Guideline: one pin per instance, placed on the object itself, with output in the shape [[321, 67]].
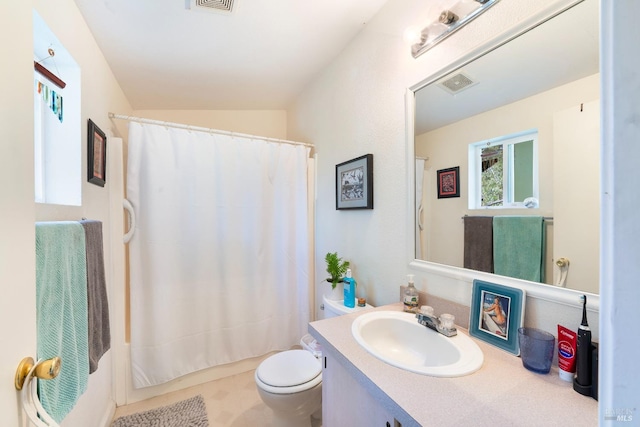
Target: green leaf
[[336, 268]]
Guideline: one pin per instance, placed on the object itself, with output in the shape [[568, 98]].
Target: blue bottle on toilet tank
[[349, 290]]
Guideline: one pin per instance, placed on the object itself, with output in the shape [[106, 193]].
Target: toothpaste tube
[[567, 340]]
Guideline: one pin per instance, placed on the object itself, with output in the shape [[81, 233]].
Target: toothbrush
[[583, 359]]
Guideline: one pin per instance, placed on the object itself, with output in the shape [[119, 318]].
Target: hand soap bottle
[[410, 297], [349, 290]]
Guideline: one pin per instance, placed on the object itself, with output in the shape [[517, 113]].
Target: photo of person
[[494, 316]]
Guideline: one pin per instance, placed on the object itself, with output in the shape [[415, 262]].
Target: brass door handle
[[46, 370]]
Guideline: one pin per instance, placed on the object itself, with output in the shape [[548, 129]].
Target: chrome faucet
[[443, 324]]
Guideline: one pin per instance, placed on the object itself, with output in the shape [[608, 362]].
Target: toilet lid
[[289, 368]]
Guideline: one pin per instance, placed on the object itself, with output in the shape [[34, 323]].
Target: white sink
[[399, 340]]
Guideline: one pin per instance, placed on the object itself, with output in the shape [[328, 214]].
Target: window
[[57, 125], [503, 172]]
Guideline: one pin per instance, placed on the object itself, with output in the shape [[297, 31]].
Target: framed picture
[[496, 314], [354, 183], [96, 155], [449, 183]]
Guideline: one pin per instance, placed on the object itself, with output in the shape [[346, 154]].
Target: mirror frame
[[570, 297]]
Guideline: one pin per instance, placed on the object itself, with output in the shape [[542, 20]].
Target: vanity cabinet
[[359, 390], [345, 402]]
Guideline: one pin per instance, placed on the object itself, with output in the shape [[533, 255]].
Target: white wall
[[268, 123], [357, 106]]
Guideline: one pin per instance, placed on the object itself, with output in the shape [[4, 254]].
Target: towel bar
[[546, 218]]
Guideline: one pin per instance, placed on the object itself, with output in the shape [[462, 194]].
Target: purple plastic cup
[[536, 349]]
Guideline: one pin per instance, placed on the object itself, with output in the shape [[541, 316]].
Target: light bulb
[[412, 35]]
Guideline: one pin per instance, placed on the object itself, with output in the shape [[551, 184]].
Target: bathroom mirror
[[545, 81]]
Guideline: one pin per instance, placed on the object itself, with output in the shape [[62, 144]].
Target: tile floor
[[231, 402]]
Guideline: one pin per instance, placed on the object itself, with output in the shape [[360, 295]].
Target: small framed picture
[[354, 183], [497, 312], [449, 182], [96, 155]]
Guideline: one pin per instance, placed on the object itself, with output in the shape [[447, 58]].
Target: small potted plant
[[336, 269]]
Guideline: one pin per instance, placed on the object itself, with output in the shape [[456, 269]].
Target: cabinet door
[[346, 403]]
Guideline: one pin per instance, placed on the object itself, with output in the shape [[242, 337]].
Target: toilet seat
[[288, 372]]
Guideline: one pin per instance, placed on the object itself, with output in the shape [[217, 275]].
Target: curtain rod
[[201, 129]]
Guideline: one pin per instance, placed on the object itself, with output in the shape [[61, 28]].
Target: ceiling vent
[[457, 83], [218, 6]]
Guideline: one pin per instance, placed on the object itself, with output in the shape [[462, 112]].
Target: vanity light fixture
[[449, 21]]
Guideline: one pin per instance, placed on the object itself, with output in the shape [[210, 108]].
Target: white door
[[17, 208], [17, 290]]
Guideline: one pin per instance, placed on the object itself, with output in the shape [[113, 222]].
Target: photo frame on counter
[[354, 183], [497, 312], [96, 155], [449, 182]]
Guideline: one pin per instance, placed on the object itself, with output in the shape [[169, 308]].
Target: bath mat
[[187, 413]]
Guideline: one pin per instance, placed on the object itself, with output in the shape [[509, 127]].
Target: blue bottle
[[349, 290]]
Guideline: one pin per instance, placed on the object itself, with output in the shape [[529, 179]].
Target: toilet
[[290, 382]]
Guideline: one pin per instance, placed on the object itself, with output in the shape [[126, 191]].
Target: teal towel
[[61, 313], [518, 247]]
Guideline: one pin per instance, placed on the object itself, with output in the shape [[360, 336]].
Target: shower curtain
[[219, 268]]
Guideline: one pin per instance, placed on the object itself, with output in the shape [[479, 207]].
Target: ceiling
[[259, 56], [557, 52]]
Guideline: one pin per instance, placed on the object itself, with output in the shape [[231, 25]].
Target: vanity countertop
[[502, 392]]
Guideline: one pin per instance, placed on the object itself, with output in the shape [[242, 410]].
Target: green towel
[[61, 313], [518, 247]]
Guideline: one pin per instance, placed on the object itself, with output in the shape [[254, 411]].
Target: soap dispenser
[[349, 290], [410, 296]]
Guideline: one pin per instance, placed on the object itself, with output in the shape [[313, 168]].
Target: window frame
[[508, 142]]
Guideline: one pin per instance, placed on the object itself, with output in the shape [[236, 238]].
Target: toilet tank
[[333, 308]]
